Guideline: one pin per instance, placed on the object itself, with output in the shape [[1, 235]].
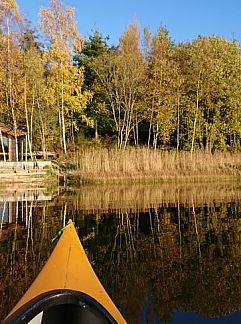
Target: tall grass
[[144, 163]]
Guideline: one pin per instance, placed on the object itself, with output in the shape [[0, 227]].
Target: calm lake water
[[165, 253]]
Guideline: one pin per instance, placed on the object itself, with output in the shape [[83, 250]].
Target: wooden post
[[10, 212], [3, 148], [14, 149], [26, 148], [10, 148], [22, 149]]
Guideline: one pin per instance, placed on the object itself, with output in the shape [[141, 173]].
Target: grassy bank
[[145, 165]]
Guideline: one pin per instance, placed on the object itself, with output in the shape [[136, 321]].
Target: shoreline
[[71, 179]]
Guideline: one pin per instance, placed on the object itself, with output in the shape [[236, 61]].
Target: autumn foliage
[[147, 90]]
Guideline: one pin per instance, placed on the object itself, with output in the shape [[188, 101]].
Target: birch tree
[[161, 86], [121, 76], [10, 18], [58, 24]]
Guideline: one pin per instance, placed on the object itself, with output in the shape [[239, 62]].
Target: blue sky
[[184, 19]]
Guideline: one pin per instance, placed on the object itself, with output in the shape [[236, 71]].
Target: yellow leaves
[[78, 43], [129, 42], [8, 6], [89, 121], [65, 88], [9, 12], [58, 24]]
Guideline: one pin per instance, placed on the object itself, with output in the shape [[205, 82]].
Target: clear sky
[[184, 19]]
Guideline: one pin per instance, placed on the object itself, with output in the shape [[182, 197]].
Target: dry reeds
[[143, 164]]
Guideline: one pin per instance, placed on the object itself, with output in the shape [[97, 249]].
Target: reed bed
[[144, 163]]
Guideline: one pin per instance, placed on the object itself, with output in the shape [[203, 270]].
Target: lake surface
[[165, 253]]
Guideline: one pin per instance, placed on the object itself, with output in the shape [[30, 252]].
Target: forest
[[66, 91]]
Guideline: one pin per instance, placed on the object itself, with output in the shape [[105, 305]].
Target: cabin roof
[[8, 130]]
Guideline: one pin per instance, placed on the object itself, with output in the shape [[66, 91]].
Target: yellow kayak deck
[[69, 268]]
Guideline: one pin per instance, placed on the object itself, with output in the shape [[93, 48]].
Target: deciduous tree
[[65, 79]]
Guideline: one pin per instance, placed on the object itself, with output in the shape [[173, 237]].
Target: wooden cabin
[[13, 144]]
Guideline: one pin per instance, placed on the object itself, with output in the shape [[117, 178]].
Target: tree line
[[146, 90]]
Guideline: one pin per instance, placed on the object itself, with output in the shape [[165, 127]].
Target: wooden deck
[[30, 171]]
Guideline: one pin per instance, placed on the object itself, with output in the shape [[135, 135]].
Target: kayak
[[67, 289]]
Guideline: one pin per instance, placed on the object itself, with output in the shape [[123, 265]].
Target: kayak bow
[[67, 289]]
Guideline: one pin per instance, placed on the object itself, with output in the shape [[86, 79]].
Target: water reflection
[[16, 208], [166, 254], [167, 251], [171, 258], [27, 224]]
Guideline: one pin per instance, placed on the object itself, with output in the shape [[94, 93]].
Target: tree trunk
[[96, 130], [196, 114], [26, 116], [155, 137], [178, 122], [10, 96], [149, 132], [43, 140], [62, 117]]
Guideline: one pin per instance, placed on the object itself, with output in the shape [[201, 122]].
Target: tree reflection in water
[[25, 243], [155, 256], [185, 258]]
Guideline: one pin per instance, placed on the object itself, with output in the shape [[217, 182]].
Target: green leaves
[[210, 66]]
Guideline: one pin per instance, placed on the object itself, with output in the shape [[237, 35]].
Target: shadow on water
[[165, 254]]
